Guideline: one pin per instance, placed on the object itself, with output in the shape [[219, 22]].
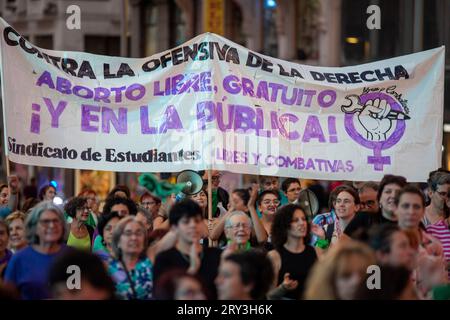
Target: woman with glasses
[[45, 229], [131, 269], [268, 202], [80, 234], [151, 203]]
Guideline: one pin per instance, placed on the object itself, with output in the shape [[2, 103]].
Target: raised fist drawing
[[373, 116]]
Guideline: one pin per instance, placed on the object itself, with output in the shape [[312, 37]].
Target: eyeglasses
[[46, 222], [215, 178], [295, 189], [239, 225], [129, 233], [369, 203], [84, 209], [148, 203], [443, 194], [268, 202]]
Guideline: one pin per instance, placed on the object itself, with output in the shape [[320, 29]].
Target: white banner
[[213, 104]]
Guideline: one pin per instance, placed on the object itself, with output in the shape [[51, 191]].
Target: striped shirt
[[441, 231]]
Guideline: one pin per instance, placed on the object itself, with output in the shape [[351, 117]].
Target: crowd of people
[[261, 243]]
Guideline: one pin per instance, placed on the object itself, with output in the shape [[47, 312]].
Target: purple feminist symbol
[[378, 160]]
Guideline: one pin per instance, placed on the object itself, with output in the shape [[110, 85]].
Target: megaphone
[[309, 202], [192, 180]]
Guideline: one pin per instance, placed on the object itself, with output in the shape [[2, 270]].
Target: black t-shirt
[[298, 265], [174, 259], [362, 222]]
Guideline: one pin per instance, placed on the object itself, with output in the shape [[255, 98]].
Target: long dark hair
[[282, 223]]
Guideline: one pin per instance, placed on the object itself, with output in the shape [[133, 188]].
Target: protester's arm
[[217, 231], [160, 223], [13, 185], [261, 234]]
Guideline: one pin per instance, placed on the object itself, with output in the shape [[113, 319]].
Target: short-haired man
[[186, 219], [368, 195], [291, 188]]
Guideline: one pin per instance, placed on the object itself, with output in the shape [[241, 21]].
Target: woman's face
[[150, 204], [410, 211], [3, 238], [269, 204], [387, 198], [108, 230], [132, 239], [4, 196], [350, 272], [237, 202], [92, 201], [299, 225], [50, 193], [17, 238], [82, 214], [201, 199], [49, 228], [189, 289]]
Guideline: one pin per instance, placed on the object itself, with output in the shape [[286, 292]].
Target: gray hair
[[237, 213], [146, 214], [118, 231], [33, 217]]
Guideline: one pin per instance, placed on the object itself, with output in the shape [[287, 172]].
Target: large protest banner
[[213, 104]]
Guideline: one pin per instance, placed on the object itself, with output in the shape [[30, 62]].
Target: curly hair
[[73, 205], [282, 223], [132, 208]]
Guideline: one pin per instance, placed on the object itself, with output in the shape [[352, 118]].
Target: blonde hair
[[118, 231], [320, 284], [15, 215]]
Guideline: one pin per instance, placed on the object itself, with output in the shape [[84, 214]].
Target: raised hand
[[253, 194], [318, 231], [373, 117], [13, 184]]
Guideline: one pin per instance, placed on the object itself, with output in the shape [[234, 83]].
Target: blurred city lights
[[352, 40]]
